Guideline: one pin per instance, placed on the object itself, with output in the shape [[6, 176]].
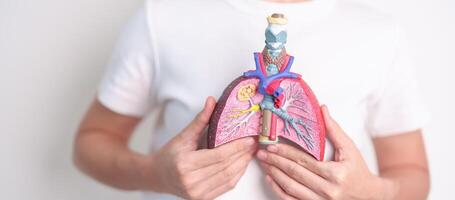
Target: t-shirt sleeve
[[398, 106], [126, 87]]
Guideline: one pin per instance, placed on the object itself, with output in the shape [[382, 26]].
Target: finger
[[264, 166], [298, 173], [206, 157], [300, 157], [193, 131], [277, 189], [335, 133], [202, 173], [290, 186], [222, 177], [226, 187]]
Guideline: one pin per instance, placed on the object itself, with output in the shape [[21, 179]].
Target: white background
[[52, 54]]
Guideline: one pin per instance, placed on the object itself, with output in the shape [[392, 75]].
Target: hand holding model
[[179, 168], [294, 174]]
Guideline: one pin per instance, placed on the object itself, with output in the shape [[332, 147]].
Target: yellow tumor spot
[[255, 107], [246, 92], [243, 112]]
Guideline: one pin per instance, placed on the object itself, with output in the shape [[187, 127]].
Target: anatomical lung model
[[270, 101]]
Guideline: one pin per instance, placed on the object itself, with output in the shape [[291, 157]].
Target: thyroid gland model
[[270, 101]]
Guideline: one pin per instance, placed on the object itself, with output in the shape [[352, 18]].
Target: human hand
[[179, 168], [293, 174]]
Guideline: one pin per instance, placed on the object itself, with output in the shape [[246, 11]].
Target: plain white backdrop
[[53, 53]]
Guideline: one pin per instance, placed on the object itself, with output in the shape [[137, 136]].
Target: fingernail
[[272, 148], [249, 141], [261, 155]]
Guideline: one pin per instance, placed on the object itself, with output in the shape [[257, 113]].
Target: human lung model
[[270, 101]]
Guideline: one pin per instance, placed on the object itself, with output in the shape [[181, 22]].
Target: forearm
[[402, 161], [406, 183], [108, 159]]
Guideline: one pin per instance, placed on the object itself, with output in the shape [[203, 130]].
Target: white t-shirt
[[175, 53]]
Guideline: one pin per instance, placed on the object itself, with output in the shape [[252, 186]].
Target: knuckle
[[179, 171], [340, 175], [334, 194], [333, 172], [193, 194], [228, 173], [203, 197], [328, 169], [303, 162], [289, 188], [232, 184], [292, 171], [186, 181]]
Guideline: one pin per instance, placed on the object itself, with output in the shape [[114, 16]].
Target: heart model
[[270, 101]]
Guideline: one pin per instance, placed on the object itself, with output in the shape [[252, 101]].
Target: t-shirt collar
[[306, 11]]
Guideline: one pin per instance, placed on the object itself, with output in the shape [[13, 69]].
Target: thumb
[[335, 133], [192, 133]]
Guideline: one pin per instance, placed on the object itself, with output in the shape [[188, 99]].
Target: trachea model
[[270, 101]]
